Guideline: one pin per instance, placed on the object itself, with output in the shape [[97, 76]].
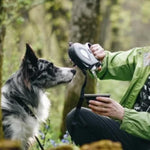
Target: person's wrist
[[121, 114]]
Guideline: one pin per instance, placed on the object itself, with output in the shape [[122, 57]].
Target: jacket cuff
[[126, 121]]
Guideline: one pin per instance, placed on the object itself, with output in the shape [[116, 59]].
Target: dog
[[24, 102]]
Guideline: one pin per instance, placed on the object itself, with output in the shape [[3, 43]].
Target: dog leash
[[38, 141], [80, 102]]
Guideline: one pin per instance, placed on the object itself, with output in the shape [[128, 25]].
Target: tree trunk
[[115, 44], [84, 28], [2, 35], [105, 22]]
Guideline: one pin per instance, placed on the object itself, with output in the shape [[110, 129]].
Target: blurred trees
[[45, 24], [115, 10], [84, 28], [58, 16], [110, 19]]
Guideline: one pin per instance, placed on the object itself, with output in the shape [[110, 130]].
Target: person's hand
[[98, 51], [107, 107]]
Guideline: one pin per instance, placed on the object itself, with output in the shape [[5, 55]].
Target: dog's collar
[[22, 104], [26, 107]]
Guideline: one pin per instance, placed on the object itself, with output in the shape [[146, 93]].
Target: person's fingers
[[99, 55], [98, 109], [104, 99], [99, 104], [96, 47]]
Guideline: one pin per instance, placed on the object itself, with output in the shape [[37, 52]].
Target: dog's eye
[[42, 66]]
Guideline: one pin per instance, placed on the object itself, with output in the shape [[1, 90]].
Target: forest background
[[49, 25]]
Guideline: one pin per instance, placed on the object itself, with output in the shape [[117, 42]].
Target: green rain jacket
[[133, 66]]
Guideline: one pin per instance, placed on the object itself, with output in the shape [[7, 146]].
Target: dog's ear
[[29, 65], [30, 56]]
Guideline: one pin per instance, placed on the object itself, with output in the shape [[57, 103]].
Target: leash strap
[[80, 102], [38, 141]]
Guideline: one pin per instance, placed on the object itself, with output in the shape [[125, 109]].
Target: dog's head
[[42, 73]]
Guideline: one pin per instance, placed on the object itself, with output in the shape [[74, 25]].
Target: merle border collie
[[24, 102]]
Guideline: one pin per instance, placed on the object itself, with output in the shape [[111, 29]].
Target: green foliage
[[14, 9], [20, 20], [47, 140]]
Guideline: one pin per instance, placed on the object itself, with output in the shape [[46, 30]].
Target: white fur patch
[[42, 112], [4, 100]]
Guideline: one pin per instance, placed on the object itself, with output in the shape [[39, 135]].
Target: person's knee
[[70, 119], [78, 126], [70, 115]]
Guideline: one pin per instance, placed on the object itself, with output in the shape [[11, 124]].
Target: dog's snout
[[73, 71]]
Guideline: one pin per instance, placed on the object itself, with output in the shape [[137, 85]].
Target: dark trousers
[[89, 127]]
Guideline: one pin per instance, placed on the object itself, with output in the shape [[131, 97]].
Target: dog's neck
[[18, 89], [34, 100]]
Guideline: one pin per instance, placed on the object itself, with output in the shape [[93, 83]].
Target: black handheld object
[[89, 97], [82, 56]]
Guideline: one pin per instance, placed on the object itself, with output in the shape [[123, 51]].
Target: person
[[128, 121]]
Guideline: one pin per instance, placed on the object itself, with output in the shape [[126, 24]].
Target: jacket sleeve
[[119, 65], [123, 66], [136, 123]]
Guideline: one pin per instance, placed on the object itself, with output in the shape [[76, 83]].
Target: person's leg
[[91, 127]]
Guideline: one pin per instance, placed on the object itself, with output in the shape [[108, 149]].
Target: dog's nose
[[73, 71]]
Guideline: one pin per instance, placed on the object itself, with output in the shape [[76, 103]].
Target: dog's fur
[[24, 103]]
